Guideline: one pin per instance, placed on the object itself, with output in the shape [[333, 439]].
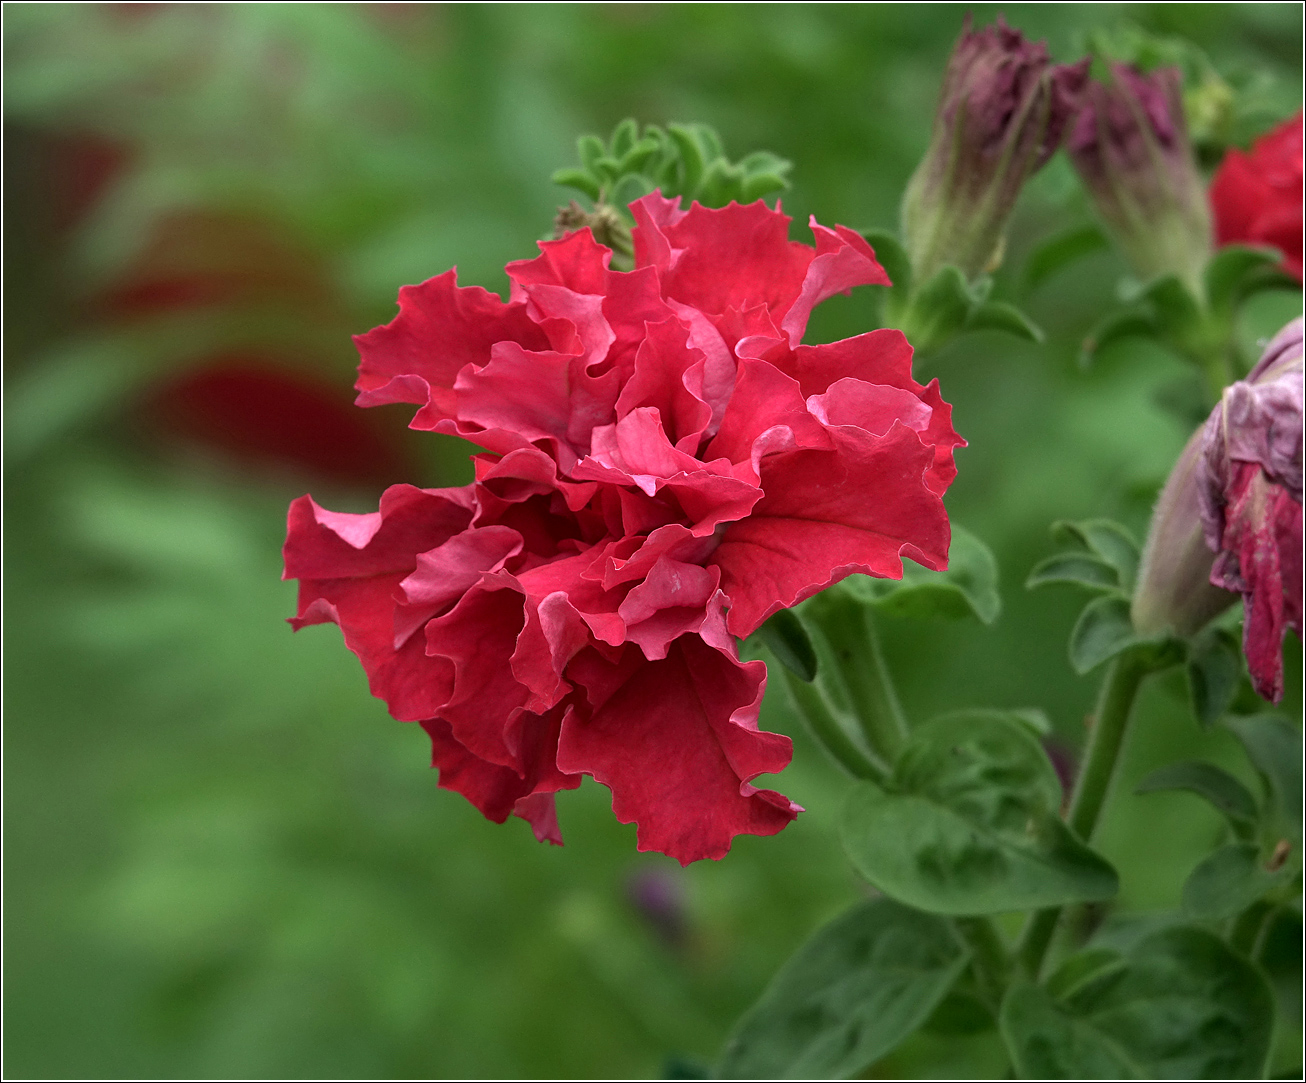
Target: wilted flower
[[1251, 502], [1130, 147], [1257, 197], [1002, 110], [666, 467]]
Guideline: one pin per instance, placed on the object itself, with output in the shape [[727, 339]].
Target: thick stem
[[826, 730], [848, 629], [1115, 702], [989, 956]]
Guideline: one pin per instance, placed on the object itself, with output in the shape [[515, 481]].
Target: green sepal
[[1183, 1005], [1126, 323], [1229, 796], [1081, 569], [969, 823], [1002, 316], [691, 157], [968, 587], [623, 137], [788, 640], [1274, 746], [1107, 539], [1061, 251], [848, 996], [590, 149], [939, 308], [1215, 671], [1176, 312], [1230, 880]]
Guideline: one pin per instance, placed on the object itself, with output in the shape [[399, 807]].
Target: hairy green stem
[[1116, 700], [825, 728], [989, 956]]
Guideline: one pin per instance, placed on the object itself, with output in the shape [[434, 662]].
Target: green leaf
[[1127, 323], [1082, 569], [1274, 746], [784, 633], [848, 996], [591, 150], [1183, 1006], [757, 185], [1215, 671], [1213, 784], [579, 179], [1108, 539], [631, 187], [691, 158], [1061, 251], [968, 587], [1001, 316], [1102, 631], [1081, 967], [1234, 268], [1230, 880], [1174, 308], [968, 823], [892, 256], [638, 155], [623, 137]]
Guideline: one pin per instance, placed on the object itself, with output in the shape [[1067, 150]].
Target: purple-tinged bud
[[1130, 146], [1251, 502], [1002, 110], [658, 895], [1174, 592]]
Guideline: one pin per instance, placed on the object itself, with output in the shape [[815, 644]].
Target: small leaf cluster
[[686, 160], [1260, 866]]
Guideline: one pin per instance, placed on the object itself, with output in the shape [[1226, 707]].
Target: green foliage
[[1216, 786], [1230, 880], [1274, 746], [788, 640], [1180, 1005], [1215, 672], [967, 587], [686, 160], [969, 823], [855, 990]]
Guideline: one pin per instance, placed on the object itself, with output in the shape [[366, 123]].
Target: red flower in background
[[666, 466], [1257, 197]]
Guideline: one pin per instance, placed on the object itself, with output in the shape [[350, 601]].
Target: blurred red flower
[[666, 466], [1257, 197]]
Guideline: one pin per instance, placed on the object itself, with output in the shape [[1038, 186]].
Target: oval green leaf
[[848, 996], [1183, 1006], [968, 824]]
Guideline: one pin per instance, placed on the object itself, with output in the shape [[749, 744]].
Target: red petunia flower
[[666, 466], [1257, 197]]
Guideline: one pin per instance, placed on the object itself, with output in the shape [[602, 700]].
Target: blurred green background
[[223, 857]]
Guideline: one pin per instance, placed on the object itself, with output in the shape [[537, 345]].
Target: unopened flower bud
[[1174, 591], [1251, 502], [1002, 110], [1130, 147]]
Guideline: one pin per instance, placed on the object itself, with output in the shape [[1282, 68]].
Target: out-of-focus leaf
[[1082, 569], [968, 587], [1213, 784], [1230, 880], [1274, 746], [1215, 670], [969, 823], [1182, 1006], [784, 633], [892, 256], [1106, 538], [855, 990], [1102, 631], [1002, 316], [1062, 250], [1110, 329]]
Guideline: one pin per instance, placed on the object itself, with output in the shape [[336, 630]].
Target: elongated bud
[[1130, 147], [1002, 110], [1251, 502], [1174, 591]]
